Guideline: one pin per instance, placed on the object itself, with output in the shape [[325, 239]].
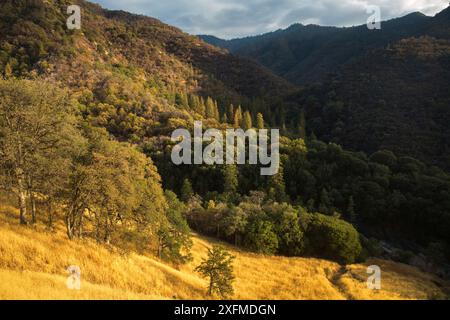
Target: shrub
[[332, 238]]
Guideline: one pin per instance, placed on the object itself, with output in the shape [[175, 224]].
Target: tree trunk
[[22, 197], [33, 207], [211, 285], [21, 185], [50, 214], [107, 238], [80, 225], [159, 249], [69, 225], [23, 207]]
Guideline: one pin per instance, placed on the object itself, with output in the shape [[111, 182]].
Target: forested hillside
[[402, 104], [375, 89], [36, 40], [85, 124]]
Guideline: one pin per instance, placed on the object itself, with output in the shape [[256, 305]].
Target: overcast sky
[[239, 18]]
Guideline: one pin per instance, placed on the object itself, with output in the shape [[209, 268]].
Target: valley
[[88, 178]]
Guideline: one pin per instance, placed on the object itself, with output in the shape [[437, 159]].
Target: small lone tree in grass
[[219, 269]]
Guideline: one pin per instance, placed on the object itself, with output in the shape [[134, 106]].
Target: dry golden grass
[[399, 281], [33, 265], [38, 256], [261, 277]]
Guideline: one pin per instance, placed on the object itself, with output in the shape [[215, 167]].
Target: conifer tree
[[238, 117], [187, 191], [194, 102], [174, 238], [230, 179], [277, 187], [210, 109], [201, 107], [247, 121], [216, 111], [182, 100], [260, 121], [225, 118]]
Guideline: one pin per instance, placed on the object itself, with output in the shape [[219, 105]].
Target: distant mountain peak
[[444, 13], [416, 14], [295, 26]]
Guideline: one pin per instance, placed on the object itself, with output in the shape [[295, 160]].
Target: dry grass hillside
[[33, 263]]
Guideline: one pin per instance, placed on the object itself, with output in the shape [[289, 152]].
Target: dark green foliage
[[302, 125], [351, 214], [174, 234], [408, 201], [325, 205], [230, 179], [384, 157], [287, 226], [218, 268], [260, 237], [186, 191], [276, 186], [404, 201], [234, 224], [273, 228], [405, 114], [332, 238], [377, 90]]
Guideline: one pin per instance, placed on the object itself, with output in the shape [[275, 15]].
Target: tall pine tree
[[260, 121], [247, 121], [238, 117], [210, 109], [187, 191]]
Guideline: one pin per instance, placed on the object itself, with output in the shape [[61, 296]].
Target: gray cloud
[[238, 18]]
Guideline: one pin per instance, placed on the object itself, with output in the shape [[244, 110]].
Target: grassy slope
[[33, 263]]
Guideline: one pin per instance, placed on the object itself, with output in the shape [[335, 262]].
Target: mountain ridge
[[297, 25], [301, 46]]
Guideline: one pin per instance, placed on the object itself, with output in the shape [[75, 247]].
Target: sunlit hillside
[[33, 266]]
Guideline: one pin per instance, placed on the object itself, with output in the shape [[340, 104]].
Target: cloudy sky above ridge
[[239, 18]]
